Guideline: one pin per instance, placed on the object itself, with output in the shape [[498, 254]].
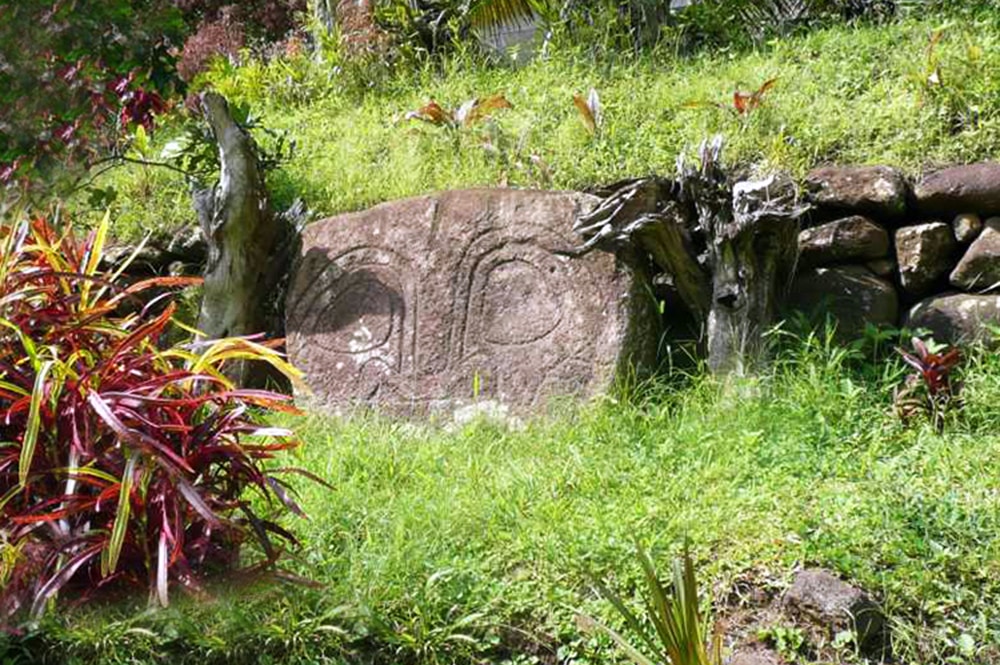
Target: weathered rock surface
[[822, 597], [924, 253], [974, 187], [851, 294], [759, 656], [966, 227], [882, 267], [182, 252], [851, 238], [432, 303], [979, 268], [875, 190], [956, 317]]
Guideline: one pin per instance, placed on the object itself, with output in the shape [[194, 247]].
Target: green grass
[[844, 94], [472, 546]]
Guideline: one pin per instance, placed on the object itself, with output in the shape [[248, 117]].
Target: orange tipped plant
[[590, 111], [471, 112], [121, 461], [743, 102]]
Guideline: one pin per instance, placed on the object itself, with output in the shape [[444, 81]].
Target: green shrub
[[121, 462]]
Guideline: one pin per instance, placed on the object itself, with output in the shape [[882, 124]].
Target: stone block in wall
[[924, 253], [967, 227], [979, 268], [854, 238], [960, 189], [429, 304], [956, 317], [880, 191], [852, 295], [883, 267]]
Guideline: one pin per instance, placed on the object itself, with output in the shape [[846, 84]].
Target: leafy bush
[[223, 36], [73, 73], [120, 462]]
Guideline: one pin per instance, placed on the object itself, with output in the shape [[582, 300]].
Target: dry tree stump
[[729, 247], [247, 243]]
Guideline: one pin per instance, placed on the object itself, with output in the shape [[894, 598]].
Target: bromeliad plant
[[929, 389], [121, 462], [674, 630]]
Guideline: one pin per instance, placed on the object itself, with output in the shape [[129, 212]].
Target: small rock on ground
[[824, 598]]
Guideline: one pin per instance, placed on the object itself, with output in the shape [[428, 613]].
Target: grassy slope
[[851, 95], [487, 533], [430, 536]]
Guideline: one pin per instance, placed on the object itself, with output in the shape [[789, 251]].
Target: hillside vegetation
[[476, 544], [473, 546], [913, 94]]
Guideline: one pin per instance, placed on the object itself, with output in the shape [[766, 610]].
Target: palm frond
[[491, 16]]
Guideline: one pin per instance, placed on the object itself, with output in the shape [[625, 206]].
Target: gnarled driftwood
[[729, 248], [247, 242]]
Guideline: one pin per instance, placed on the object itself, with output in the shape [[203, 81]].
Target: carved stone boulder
[[426, 305]]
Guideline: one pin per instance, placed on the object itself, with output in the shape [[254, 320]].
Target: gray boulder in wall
[[979, 268], [969, 188], [873, 190], [956, 317], [429, 304], [852, 295], [924, 253], [852, 238]]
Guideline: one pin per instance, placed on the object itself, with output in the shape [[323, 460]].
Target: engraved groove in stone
[[355, 317]]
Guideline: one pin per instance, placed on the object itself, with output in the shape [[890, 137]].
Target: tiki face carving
[[422, 303]]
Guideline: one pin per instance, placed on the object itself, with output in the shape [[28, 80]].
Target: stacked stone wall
[[925, 255]]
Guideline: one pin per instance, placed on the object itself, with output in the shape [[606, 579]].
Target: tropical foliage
[[679, 634], [122, 461], [929, 389]]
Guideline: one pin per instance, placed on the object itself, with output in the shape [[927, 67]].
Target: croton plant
[[123, 460]]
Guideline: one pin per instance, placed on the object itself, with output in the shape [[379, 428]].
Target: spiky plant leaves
[[123, 461], [469, 113], [679, 629], [432, 113], [930, 389]]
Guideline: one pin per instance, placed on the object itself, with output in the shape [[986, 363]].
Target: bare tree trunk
[[325, 15], [751, 230], [245, 238], [750, 234]]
